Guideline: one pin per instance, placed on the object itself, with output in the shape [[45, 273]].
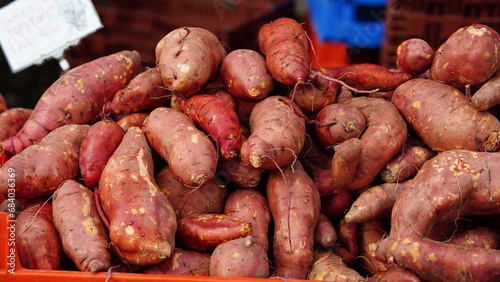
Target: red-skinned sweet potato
[[395, 274], [437, 261], [348, 247], [277, 134], [218, 119], [286, 49], [142, 223], [312, 96], [337, 123], [145, 91], [209, 198], [336, 205], [204, 232], [131, 120], [488, 95], [294, 202], [39, 170], [190, 154], [325, 234], [370, 232], [77, 97], [236, 172], [183, 262], [406, 164], [469, 56], [328, 266], [383, 138], [99, 144], [222, 93], [443, 119], [83, 236], [12, 120], [480, 237], [414, 56], [188, 58], [250, 83], [241, 257], [252, 206], [37, 241]]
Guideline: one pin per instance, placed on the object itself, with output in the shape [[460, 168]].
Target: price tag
[[32, 31]]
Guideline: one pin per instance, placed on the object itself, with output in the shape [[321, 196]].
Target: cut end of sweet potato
[[164, 250], [255, 160], [492, 142]]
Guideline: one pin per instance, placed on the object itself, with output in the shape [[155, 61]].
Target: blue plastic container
[[358, 23]]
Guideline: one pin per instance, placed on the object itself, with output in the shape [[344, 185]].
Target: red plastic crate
[[140, 25], [433, 21]]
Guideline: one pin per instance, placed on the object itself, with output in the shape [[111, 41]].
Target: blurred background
[[341, 31]]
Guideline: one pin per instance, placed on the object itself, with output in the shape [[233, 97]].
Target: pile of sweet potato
[[247, 163]]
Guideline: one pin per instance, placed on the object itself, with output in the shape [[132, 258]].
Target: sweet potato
[[383, 138], [145, 91], [183, 262], [3, 103], [142, 223], [336, 205], [328, 266], [325, 234], [443, 119], [438, 261], [366, 76], [253, 82], [294, 202], [39, 170], [204, 232], [480, 237], [190, 154], [488, 95], [277, 134], [12, 120], [286, 49], [348, 248], [406, 164], [99, 144], [222, 93], [252, 206], [135, 119], [315, 157], [414, 56], [242, 257], [376, 202], [188, 58], [209, 198], [13, 206], [337, 123], [395, 274], [312, 97], [216, 117], [77, 97], [469, 56], [370, 232], [236, 172], [83, 236], [37, 241]]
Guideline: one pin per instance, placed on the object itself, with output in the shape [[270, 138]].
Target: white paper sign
[[32, 31]]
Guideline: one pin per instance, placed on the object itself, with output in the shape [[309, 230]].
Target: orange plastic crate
[[22, 274]]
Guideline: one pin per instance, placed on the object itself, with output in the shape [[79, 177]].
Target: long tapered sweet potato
[[41, 168], [383, 138], [277, 134], [443, 119], [83, 236], [99, 144], [218, 119], [285, 46], [142, 223], [294, 202], [145, 91], [188, 58], [77, 97], [190, 154], [37, 241]]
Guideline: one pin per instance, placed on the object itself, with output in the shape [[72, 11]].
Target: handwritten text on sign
[[32, 30]]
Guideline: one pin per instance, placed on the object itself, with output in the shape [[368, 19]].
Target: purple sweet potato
[[77, 97], [145, 91], [241, 257], [37, 241], [97, 147], [190, 154], [253, 82], [188, 58], [83, 236], [142, 223], [41, 168]]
